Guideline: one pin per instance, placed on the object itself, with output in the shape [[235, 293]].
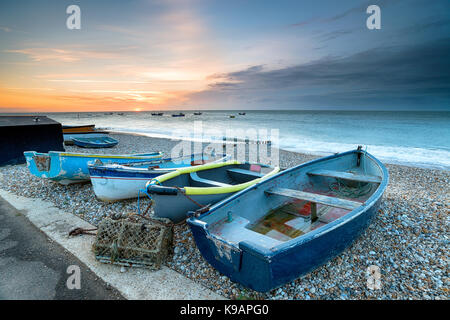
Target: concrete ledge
[[136, 283]]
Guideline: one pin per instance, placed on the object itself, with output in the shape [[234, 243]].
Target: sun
[[137, 109]]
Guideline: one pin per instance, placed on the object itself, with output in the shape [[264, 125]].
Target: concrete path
[[136, 283], [34, 267]]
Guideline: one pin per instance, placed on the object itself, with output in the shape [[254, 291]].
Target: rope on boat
[[202, 209], [361, 189], [184, 194], [344, 190], [147, 217], [79, 231]]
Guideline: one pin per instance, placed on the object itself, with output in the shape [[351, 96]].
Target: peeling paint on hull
[[67, 168]]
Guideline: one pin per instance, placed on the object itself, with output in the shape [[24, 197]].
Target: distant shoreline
[[222, 110], [295, 154]]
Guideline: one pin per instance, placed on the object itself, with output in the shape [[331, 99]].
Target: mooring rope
[[78, 231]]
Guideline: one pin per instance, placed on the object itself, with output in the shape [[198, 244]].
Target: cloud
[[333, 35], [426, 25], [399, 75], [357, 9], [74, 54]]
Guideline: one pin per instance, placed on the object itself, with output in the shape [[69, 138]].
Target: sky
[[234, 54]]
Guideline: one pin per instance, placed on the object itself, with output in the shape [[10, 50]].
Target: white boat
[[113, 182]]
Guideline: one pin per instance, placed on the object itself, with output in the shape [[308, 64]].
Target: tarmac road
[[33, 267]]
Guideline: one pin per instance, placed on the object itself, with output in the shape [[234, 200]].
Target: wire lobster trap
[[133, 244]]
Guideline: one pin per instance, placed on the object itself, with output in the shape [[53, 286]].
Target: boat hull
[[264, 267], [95, 142], [68, 137], [176, 193], [176, 207], [114, 183], [78, 129], [262, 273], [67, 168]]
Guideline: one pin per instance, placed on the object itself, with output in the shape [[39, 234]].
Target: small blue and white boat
[[67, 167], [287, 225], [95, 142], [68, 137], [113, 182]]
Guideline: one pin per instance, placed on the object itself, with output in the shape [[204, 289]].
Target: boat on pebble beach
[[68, 167], [175, 193], [68, 137], [95, 142], [287, 225], [78, 129], [113, 182]]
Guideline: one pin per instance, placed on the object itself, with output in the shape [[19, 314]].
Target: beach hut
[[22, 133]]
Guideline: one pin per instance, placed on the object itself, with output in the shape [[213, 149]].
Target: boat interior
[[146, 165], [98, 140], [220, 177], [297, 203]]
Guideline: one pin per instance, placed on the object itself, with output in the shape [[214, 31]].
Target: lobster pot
[[133, 244]]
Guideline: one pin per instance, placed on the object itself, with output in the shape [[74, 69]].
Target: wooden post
[[313, 211]]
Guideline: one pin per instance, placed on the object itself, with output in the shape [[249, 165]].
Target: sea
[[420, 139]]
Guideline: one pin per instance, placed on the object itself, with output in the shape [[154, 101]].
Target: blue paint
[[96, 142], [68, 168]]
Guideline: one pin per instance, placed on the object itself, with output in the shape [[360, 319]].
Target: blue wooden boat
[[68, 137], [68, 167], [113, 182], [178, 115], [95, 142], [285, 226]]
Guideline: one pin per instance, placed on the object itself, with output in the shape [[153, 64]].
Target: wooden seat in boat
[[346, 175], [244, 175], [236, 231], [315, 198], [201, 182]]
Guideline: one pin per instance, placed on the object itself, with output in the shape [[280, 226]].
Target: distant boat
[[197, 113], [68, 167], [242, 113], [79, 129], [113, 182], [108, 113], [176, 193], [68, 137], [232, 116], [291, 223], [178, 115], [95, 142], [120, 114], [157, 113]]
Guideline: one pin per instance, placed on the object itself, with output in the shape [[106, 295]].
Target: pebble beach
[[408, 240]]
